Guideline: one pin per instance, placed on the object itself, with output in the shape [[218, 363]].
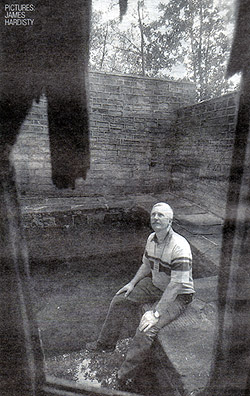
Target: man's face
[[160, 219]]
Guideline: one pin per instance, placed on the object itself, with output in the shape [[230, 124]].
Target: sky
[[103, 5], [151, 5]]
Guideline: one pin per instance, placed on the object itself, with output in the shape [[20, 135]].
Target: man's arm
[[170, 294], [179, 275], [181, 265], [149, 319], [142, 272]]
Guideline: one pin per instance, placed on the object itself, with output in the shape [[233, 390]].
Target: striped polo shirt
[[170, 260]]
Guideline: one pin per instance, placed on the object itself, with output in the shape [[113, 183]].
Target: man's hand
[[147, 321], [127, 288]]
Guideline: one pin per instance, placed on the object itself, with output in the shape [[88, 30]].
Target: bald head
[[161, 218], [165, 208]]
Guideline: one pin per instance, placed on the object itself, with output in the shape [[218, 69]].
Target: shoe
[[96, 346]]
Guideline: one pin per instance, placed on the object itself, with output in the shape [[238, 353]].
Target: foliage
[[123, 50], [89, 367], [190, 33], [203, 42]]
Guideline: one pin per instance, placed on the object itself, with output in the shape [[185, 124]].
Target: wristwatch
[[156, 314]]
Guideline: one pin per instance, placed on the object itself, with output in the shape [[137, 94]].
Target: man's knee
[[145, 282], [149, 335], [142, 291], [152, 332], [118, 299]]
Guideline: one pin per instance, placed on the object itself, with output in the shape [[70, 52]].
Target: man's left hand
[[147, 321]]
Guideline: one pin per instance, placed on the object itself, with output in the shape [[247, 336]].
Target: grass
[[72, 301], [71, 306]]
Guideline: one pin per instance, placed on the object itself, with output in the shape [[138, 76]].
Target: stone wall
[[130, 123], [146, 135], [202, 141]]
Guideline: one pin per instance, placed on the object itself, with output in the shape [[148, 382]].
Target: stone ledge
[[202, 230], [185, 347], [200, 223]]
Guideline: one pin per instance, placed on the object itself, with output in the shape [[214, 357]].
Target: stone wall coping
[[141, 77], [215, 99]]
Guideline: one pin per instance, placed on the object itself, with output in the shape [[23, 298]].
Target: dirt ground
[[72, 295], [71, 304], [101, 369], [72, 301]]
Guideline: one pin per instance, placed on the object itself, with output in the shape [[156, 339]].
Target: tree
[[100, 39], [192, 33], [202, 42], [130, 44], [135, 49]]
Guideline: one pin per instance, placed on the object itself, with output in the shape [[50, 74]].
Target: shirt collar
[[167, 237]]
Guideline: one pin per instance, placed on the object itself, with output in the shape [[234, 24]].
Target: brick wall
[[144, 137], [202, 140], [130, 123]]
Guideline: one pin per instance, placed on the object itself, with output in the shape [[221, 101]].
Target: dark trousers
[[122, 307], [144, 292]]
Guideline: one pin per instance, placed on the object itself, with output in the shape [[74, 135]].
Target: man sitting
[[164, 279]]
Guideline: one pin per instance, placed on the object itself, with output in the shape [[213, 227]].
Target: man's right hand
[[127, 289]]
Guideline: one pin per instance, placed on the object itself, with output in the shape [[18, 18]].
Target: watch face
[[157, 315]]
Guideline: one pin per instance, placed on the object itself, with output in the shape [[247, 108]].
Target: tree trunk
[[142, 39]]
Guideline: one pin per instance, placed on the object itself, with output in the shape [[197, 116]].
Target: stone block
[[186, 345]]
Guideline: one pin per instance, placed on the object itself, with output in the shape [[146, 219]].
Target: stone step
[[185, 346], [57, 215], [200, 223]]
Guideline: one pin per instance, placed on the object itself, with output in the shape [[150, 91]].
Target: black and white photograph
[[124, 198]]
